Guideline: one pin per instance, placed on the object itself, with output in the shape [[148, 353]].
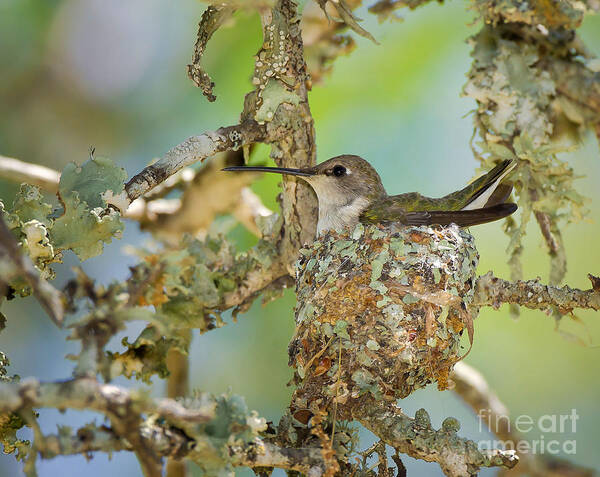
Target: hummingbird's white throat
[[337, 210]]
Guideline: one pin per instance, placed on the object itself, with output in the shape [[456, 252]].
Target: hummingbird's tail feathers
[[500, 195], [462, 218], [485, 187]]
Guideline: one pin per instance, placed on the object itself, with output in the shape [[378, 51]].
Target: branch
[[281, 100], [16, 264], [256, 280], [177, 386], [193, 149], [177, 181], [210, 193], [168, 219], [415, 437], [306, 460], [84, 441], [470, 385], [130, 426], [87, 393], [473, 388], [493, 291], [169, 429], [250, 209], [19, 171], [169, 442], [212, 18], [178, 380]]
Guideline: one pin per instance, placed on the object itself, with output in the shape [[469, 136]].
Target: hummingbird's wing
[[388, 210], [462, 218], [486, 191], [480, 202]]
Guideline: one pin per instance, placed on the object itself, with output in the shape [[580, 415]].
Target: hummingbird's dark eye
[[339, 171]]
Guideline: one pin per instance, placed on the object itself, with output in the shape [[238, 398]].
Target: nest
[[380, 313]]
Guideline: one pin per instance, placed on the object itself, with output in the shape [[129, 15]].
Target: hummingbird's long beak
[[278, 170]]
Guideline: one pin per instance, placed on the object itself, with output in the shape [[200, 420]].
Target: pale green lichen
[[85, 222], [82, 223], [528, 95], [273, 95], [29, 219], [29, 205], [232, 426], [85, 231], [93, 178]]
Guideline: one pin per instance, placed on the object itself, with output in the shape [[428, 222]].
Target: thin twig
[[50, 298], [19, 171], [193, 149], [473, 388], [177, 386]]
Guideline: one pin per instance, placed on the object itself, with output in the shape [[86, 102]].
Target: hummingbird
[[349, 190]]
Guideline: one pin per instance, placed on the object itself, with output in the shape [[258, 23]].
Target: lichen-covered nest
[[390, 303]]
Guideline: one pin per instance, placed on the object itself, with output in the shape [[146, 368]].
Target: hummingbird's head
[[343, 179], [345, 186], [339, 180]]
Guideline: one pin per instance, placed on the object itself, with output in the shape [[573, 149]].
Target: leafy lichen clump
[[548, 13], [81, 223], [231, 425], [389, 304], [537, 90]]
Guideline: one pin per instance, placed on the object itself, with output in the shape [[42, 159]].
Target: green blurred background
[[111, 74]]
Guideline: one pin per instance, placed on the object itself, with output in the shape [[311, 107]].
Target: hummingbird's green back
[[405, 208]]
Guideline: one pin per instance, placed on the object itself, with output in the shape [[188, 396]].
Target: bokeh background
[[111, 74]]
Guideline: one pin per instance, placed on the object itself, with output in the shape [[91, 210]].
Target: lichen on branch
[[537, 92], [493, 291], [457, 457], [212, 19], [216, 432]]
